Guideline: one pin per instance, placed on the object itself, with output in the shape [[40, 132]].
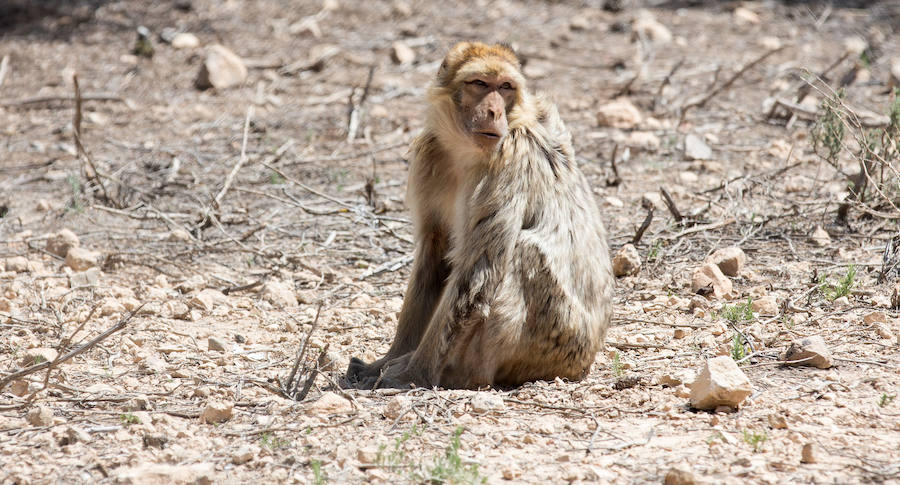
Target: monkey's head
[[476, 91]]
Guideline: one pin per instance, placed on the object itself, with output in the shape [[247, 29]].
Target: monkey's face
[[484, 100]]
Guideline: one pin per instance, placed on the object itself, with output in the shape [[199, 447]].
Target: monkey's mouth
[[488, 134]]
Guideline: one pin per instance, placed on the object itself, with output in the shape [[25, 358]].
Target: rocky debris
[[111, 306], [88, 278], [307, 26], [279, 294], [38, 355], [777, 421], [696, 149], [19, 264], [579, 23], [160, 473], [221, 69], [730, 260], [80, 259], [244, 454], [745, 16], [330, 403], [679, 333], [61, 242], [875, 317], [487, 402], [402, 54], [680, 475], [620, 113], [185, 40], [192, 284], [643, 140], [207, 299], [396, 407], [855, 45], [39, 416], [367, 455], [820, 237], [217, 412], [627, 261], [809, 453], [710, 278], [176, 309], [155, 440], [215, 345], [646, 26], [811, 351], [766, 305], [720, 383], [18, 387], [75, 434]]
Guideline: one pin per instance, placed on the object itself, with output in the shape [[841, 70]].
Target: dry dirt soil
[[212, 294]]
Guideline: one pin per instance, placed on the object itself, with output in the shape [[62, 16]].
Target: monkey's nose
[[492, 114]]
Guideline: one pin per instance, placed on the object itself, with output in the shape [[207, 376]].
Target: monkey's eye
[[506, 86], [479, 83]]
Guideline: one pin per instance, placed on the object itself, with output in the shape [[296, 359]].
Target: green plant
[[738, 351], [450, 468], [828, 131], [617, 367], [738, 312], [787, 321], [654, 251], [272, 442], [75, 184], [845, 284], [319, 477], [275, 178], [756, 439], [397, 456], [129, 419], [886, 399]]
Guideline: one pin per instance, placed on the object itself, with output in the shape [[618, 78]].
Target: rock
[[159, 474], [766, 305], [75, 434], [812, 351], [696, 149], [809, 454], [855, 45], [579, 23], [88, 278], [730, 260], [397, 407], [688, 177], [221, 69], [330, 403], [307, 26], [279, 294], [679, 333], [680, 475], [401, 8], [777, 421], [17, 264], [43, 205], [402, 54], [39, 416], [80, 259], [176, 309], [60, 243], [627, 261], [155, 440], [215, 345], [875, 317], [217, 412], [192, 284], [18, 387], [367, 455], [111, 306], [185, 40], [38, 355], [487, 402], [820, 237], [710, 277], [647, 27], [620, 113], [207, 299], [720, 383], [244, 454], [643, 140], [744, 16]]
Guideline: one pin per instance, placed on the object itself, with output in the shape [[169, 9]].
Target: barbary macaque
[[511, 279]]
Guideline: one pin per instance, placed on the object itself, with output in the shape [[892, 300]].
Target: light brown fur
[[511, 280]]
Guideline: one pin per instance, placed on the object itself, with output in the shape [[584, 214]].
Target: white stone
[[330, 403], [39, 416], [185, 40], [710, 276], [627, 261], [80, 259], [646, 26], [60, 243], [644, 140], [160, 474], [279, 294], [402, 54], [812, 351], [487, 402], [820, 237], [244, 454], [744, 16], [221, 69], [217, 412], [215, 345], [765, 305], [207, 299], [720, 383], [730, 260], [620, 113], [696, 149]]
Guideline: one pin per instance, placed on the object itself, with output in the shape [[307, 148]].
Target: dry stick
[[4, 68], [353, 121], [714, 92], [666, 80], [47, 99], [290, 380], [670, 204], [76, 129], [320, 362], [96, 340], [644, 225], [237, 166], [705, 227]]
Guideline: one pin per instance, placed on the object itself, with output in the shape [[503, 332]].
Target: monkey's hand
[[396, 374]]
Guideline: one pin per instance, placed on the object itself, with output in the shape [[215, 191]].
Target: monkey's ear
[[509, 48], [452, 61]]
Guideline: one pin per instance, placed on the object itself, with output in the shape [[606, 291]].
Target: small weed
[[654, 251], [828, 131], [832, 292], [737, 313], [886, 399], [716, 436], [787, 321], [75, 184], [275, 178], [617, 367], [450, 468], [129, 419], [272, 442], [756, 439], [397, 456], [738, 351], [319, 477]]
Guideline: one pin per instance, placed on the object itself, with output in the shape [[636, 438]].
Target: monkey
[[511, 279]]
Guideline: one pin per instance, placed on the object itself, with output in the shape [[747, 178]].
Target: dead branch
[[670, 204], [96, 340], [48, 99], [644, 225], [705, 227], [4, 68], [76, 130], [289, 387], [355, 109], [237, 166]]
